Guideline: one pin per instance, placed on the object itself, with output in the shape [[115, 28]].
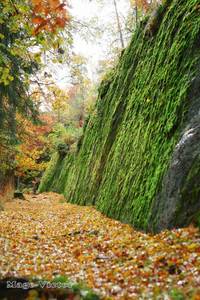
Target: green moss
[[129, 139], [150, 129], [56, 174], [177, 294], [50, 173]]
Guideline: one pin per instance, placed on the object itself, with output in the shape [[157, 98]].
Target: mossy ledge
[[139, 157]]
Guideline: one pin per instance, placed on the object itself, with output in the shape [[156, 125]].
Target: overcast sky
[[94, 51], [87, 9]]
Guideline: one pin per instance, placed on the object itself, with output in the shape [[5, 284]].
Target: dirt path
[[44, 237]]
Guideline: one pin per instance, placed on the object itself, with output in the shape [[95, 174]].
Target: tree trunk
[[119, 24], [7, 189]]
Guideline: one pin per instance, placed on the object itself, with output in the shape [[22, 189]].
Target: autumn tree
[[48, 15], [20, 32], [58, 102], [33, 152]]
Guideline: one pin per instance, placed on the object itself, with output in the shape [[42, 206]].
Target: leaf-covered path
[[44, 237]]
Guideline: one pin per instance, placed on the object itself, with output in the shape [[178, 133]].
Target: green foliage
[[63, 135], [130, 136], [15, 64], [177, 295], [15, 67], [6, 154], [19, 60], [85, 293]]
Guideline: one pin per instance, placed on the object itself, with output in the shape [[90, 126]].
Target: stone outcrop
[[139, 158]]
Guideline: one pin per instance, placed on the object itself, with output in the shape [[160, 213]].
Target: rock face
[[139, 159], [178, 203]]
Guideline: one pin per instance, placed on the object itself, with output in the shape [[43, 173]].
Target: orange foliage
[[119, 262], [143, 4], [49, 15], [34, 144]]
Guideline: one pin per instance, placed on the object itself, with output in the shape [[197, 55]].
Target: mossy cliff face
[[56, 174], [139, 160]]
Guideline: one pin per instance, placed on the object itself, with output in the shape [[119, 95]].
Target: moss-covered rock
[[139, 156], [55, 176]]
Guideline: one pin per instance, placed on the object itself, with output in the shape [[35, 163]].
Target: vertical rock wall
[[139, 160]]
